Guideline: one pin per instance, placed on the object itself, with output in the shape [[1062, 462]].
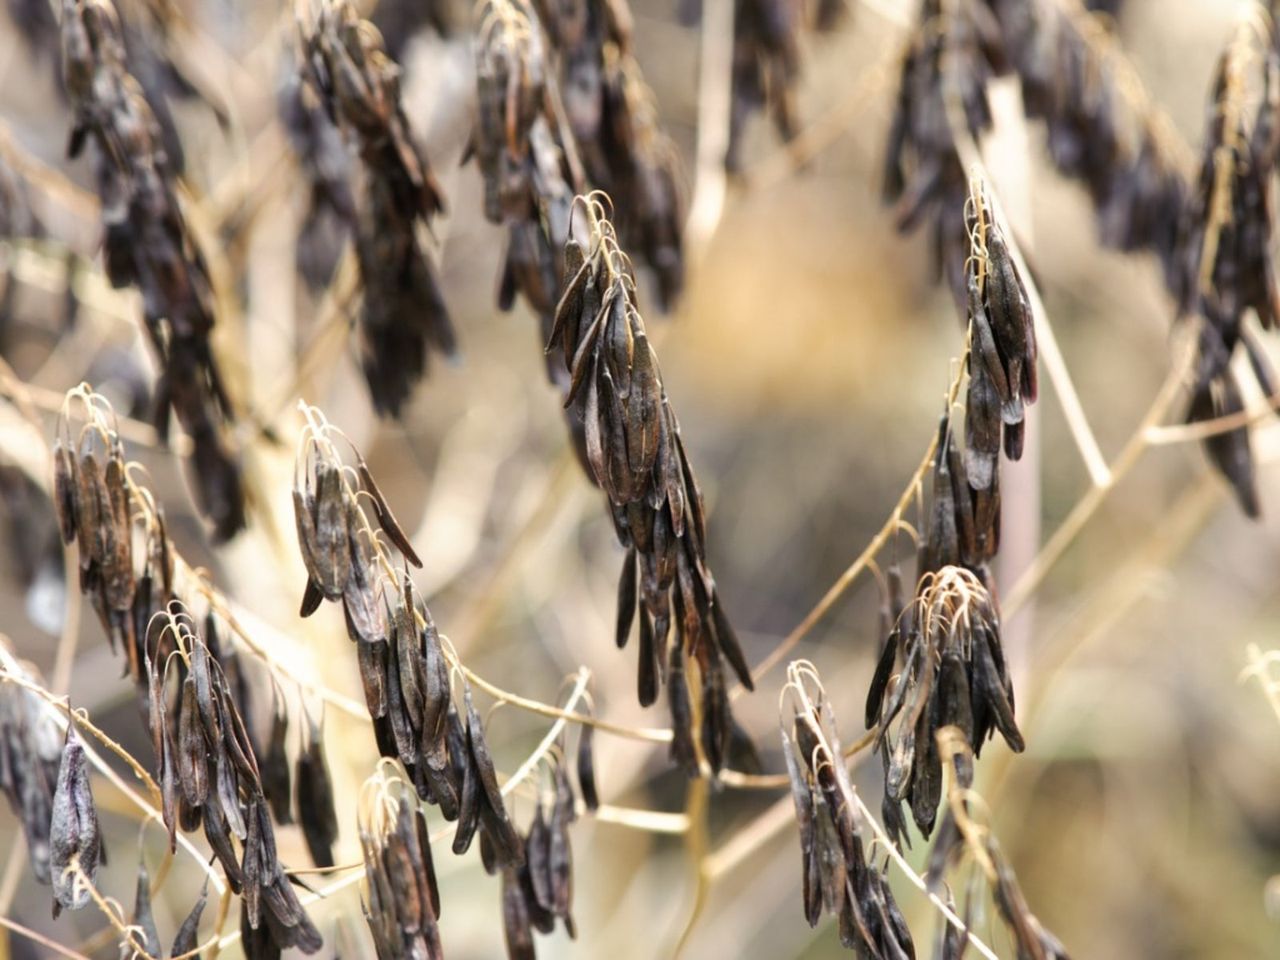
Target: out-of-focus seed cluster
[[613, 121], [530, 172], [407, 677], [636, 455], [327, 165], [837, 873], [952, 54], [961, 837], [30, 752], [147, 244], [403, 315], [1227, 271], [1102, 130]]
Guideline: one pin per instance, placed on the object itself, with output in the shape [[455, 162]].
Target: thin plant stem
[[715, 106], [868, 554], [1085, 508], [28, 934], [531, 762]]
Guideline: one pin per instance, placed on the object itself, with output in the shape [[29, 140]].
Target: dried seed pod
[[586, 768], [276, 776], [516, 925], [143, 918], [187, 938], [315, 799], [74, 837]]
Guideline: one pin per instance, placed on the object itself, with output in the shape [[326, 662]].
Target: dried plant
[[30, 759], [1102, 129], [953, 51], [75, 840], [637, 457], [530, 173], [1227, 268], [147, 244], [402, 896], [403, 315], [838, 876], [407, 675], [243, 747], [611, 115], [962, 837]]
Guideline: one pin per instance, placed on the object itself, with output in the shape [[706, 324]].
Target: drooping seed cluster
[[403, 315], [129, 569], [1101, 128], [613, 121], [540, 890], [30, 753], [402, 898], [945, 642], [953, 673], [838, 876], [193, 689], [636, 455], [767, 62], [407, 678], [1227, 270], [1002, 348], [960, 836], [148, 245], [210, 778]]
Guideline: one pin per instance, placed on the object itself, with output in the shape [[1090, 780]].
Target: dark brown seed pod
[[315, 800], [143, 917], [516, 926], [187, 938], [65, 493], [586, 768], [276, 774], [74, 836], [333, 552], [193, 767], [386, 519]]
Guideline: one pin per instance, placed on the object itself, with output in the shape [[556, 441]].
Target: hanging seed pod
[[315, 799], [187, 938], [586, 768], [74, 838], [403, 898], [516, 924], [143, 918]]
